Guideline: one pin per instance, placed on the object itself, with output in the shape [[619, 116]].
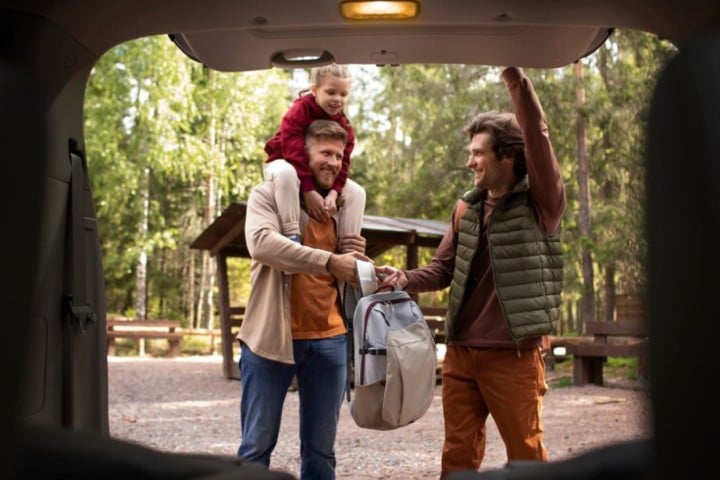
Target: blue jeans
[[321, 370]]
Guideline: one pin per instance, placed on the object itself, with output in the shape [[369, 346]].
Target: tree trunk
[[609, 282], [570, 322], [189, 275], [206, 309], [141, 266], [609, 192], [587, 301]]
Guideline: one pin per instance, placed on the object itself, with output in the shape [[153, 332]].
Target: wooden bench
[[621, 338], [144, 329], [211, 336]]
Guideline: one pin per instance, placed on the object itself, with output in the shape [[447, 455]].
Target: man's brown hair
[[326, 128], [507, 138]]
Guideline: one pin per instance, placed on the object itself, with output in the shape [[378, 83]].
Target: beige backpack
[[394, 361]]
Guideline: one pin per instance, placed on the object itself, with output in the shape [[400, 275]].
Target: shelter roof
[[227, 233]]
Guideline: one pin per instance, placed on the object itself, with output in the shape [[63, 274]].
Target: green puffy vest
[[527, 264]]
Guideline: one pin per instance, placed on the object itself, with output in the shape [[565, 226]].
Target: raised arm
[[546, 184]]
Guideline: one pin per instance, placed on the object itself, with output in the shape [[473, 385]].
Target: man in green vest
[[502, 258]]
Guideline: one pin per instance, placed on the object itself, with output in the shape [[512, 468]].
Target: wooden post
[[230, 368]]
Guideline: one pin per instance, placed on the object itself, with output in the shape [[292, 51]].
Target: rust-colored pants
[[478, 382]]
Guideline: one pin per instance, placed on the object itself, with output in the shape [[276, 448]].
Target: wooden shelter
[[225, 238]]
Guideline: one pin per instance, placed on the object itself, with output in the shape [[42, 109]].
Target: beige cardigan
[[266, 324]]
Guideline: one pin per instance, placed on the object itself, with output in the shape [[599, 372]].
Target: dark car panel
[[55, 354]]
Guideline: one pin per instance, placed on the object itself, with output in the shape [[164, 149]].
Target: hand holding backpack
[[393, 359]]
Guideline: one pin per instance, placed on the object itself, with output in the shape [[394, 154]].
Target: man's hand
[[342, 266], [391, 278], [315, 205], [352, 243]]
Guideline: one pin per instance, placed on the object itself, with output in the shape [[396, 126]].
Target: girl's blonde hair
[[318, 74]]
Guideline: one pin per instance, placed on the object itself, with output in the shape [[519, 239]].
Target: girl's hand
[[331, 202], [315, 205]]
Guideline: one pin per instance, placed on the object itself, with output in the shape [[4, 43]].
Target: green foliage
[[238, 275], [195, 345], [413, 158], [627, 367], [561, 382], [170, 144], [160, 132], [154, 347]]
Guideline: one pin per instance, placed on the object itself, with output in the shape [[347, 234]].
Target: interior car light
[[379, 10]]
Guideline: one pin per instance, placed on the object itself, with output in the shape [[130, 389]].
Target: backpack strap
[[350, 296], [460, 207]]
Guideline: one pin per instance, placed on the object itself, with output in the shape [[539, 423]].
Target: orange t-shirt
[[314, 298]]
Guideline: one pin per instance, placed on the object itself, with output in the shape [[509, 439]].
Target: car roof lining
[[255, 49], [241, 36]]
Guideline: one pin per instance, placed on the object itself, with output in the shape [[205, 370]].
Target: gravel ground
[[186, 405]]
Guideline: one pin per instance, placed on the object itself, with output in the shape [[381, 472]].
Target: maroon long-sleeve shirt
[[480, 322], [289, 141]]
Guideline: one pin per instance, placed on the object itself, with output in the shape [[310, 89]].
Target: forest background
[[170, 144]]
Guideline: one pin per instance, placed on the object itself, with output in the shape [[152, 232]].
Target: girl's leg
[[287, 195], [350, 216]]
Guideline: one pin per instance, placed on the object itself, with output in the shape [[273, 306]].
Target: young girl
[[287, 162]]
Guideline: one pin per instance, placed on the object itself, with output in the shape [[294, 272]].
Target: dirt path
[[185, 405]]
